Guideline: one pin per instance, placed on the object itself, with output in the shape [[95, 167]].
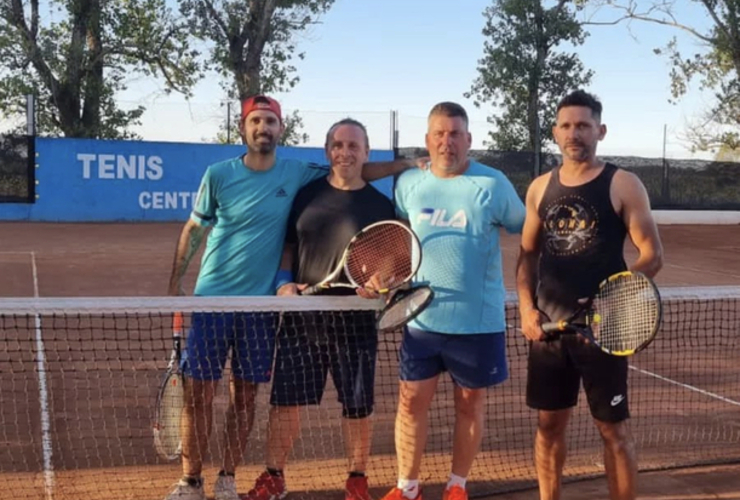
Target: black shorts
[[307, 352], [556, 368]]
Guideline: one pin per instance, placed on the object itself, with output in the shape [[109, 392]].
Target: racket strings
[[383, 255], [625, 313], [168, 418], [398, 312]]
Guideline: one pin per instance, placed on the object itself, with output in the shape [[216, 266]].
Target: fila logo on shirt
[[439, 217]]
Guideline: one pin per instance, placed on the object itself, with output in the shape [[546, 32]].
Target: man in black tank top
[[325, 215], [578, 216]]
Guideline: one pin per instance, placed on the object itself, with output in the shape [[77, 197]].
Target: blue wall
[[82, 180]]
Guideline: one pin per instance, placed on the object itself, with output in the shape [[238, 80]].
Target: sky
[[369, 57]]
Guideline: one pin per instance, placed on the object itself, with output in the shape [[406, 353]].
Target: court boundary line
[[685, 386], [704, 271], [46, 444]]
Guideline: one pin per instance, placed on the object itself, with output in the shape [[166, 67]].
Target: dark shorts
[[250, 336], [473, 360], [555, 371], [344, 345]]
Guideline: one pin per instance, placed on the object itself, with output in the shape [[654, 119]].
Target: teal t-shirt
[[457, 220], [248, 212]]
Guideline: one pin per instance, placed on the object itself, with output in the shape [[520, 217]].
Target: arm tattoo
[[187, 247]]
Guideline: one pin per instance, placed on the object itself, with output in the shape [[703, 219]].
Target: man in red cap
[[246, 202]]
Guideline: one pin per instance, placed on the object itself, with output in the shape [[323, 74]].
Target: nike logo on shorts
[[617, 399]]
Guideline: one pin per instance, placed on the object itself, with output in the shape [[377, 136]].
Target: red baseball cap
[[261, 102]]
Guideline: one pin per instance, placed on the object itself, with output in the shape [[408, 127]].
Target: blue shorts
[[250, 336], [473, 360], [307, 353]]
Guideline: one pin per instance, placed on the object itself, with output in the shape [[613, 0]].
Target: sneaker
[[455, 493], [397, 494], [184, 491], [356, 489], [225, 488], [267, 487]]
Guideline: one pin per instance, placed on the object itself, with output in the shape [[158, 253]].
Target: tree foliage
[[717, 68], [254, 43], [293, 134], [521, 71], [76, 56]]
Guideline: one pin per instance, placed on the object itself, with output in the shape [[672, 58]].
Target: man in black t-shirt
[[325, 215]]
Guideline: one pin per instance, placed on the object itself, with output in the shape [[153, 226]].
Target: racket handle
[[554, 326], [177, 323], [312, 290]]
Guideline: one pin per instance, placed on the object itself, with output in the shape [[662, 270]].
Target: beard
[[582, 153], [263, 148]]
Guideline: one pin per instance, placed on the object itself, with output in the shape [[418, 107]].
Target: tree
[[292, 135], [521, 72], [727, 154], [81, 53], [717, 69], [254, 42]]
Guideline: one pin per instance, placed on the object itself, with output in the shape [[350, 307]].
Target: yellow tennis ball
[[597, 318]]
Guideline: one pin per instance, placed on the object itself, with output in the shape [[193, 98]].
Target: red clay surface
[[101, 385]]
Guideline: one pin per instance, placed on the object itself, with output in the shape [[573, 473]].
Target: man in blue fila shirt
[[457, 208], [246, 201]]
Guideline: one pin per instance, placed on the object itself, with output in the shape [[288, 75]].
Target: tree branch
[[631, 14], [710, 6], [17, 19], [214, 13]]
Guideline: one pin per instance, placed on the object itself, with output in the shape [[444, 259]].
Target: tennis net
[[79, 378]]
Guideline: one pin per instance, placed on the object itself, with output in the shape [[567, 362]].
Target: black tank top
[[582, 241]]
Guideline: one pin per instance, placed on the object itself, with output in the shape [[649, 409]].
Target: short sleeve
[[291, 234], [510, 211], [204, 208], [312, 171], [398, 197]]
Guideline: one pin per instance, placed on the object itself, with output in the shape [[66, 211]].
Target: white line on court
[[43, 393], [686, 386], [704, 271], [668, 380]]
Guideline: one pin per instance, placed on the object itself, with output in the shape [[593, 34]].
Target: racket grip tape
[[177, 323], [312, 290], [554, 326]]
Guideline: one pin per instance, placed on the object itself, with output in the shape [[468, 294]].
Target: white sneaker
[[183, 491], [225, 488]]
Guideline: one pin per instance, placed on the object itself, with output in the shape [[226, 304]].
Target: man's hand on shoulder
[[422, 163]]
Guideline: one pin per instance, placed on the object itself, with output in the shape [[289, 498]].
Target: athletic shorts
[[555, 371], [250, 337], [346, 347], [473, 360]]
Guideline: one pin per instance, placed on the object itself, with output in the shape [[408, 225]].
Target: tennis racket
[[621, 319], [387, 252], [403, 307], [170, 400]]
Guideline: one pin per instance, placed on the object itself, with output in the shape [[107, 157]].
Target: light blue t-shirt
[[457, 220], [248, 211]]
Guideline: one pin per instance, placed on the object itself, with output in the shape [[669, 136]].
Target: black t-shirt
[[322, 221]]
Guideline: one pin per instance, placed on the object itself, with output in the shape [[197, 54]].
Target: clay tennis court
[[102, 378]]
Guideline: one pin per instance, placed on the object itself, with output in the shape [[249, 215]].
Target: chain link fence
[[17, 169], [671, 184]]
